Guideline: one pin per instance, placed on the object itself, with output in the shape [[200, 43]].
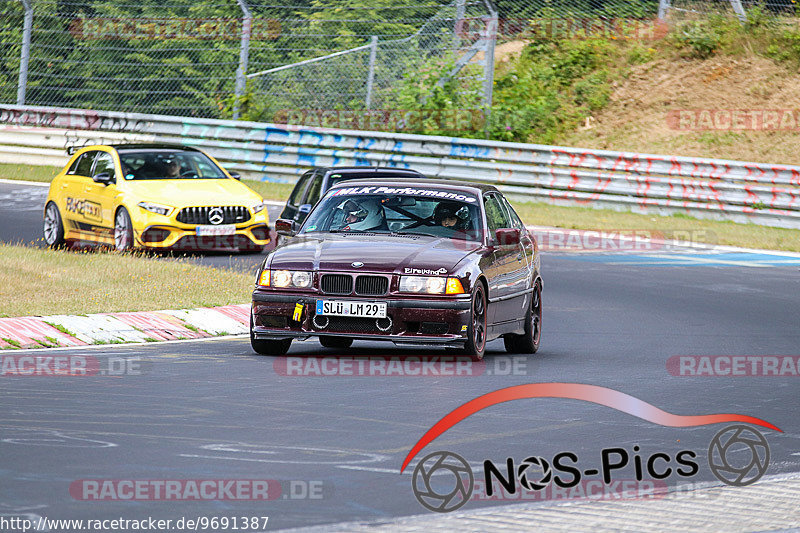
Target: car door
[[523, 279], [508, 271], [100, 197], [296, 197], [73, 191]]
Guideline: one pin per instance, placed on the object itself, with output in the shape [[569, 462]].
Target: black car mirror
[[400, 201], [235, 175], [507, 236], [285, 227], [103, 177]]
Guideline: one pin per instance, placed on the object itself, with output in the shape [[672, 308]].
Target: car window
[[314, 190], [430, 212], [83, 166], [103, 163], [496, 216], [516, 222], [167, 163], [297, 192]]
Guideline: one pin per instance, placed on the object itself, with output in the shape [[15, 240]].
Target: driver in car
[[451, 215], [363, 215], [173, 168]]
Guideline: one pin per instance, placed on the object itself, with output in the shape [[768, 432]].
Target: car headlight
[[156, 208], [258, 207], [299, 279], [430, 285]]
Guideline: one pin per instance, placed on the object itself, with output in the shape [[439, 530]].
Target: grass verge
[[36, 281], [13, 171]]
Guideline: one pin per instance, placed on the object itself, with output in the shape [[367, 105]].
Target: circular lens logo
[[738, 455], [442, 482], [539, 463]]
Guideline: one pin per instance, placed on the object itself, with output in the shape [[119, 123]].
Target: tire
[[339, 343], [123, 231], [268, 347], [475, 346], [53, 226], [528, 342]]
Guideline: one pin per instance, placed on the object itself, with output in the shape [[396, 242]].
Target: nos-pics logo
[[443, 481]]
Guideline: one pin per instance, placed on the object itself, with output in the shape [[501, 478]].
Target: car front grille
[[371, 285], [231, 214], [336, 284]]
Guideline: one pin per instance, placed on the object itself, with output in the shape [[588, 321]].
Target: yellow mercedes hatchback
[[153, 196]]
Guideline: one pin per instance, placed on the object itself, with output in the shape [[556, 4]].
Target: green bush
[[698, 39]]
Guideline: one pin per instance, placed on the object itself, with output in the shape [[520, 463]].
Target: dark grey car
[[313, 184]]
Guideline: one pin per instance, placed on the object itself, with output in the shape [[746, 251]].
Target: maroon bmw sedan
[[411, 261]]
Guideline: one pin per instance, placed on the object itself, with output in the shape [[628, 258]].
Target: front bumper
[[411, 320], [250, 236]]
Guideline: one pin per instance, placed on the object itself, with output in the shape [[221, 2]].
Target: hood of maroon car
[[412, 255]]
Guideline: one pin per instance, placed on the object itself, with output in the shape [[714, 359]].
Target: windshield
[[168, 164], [404, 214]]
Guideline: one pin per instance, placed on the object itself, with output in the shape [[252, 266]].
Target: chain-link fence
[[192, 58], [377, 66], [261, 60]]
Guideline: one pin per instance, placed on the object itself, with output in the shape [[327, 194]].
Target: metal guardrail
[[707, 188]]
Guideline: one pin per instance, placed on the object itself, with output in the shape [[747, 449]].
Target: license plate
[[349, 308], [224, 229]]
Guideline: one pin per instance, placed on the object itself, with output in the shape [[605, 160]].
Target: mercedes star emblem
[[215, 215]]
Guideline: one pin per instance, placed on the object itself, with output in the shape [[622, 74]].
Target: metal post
[[371, 74], [458, 27], [244, 51], [22, 84], [663, 9], [488, 65], [739, 10]]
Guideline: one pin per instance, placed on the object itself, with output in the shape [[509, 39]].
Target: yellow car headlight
[[258, 207], [156, 208]]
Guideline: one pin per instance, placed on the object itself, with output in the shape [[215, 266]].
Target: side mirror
[[235, 175], [285, 227], [103, 177], [507, 236]]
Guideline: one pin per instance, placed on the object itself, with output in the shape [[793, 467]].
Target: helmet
[[445, 210], [361, 215]]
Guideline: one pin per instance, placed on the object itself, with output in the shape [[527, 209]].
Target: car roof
[[474, 188], [152, 146], [368, 170]]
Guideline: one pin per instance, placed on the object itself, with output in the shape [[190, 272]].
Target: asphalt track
[[215, 410]]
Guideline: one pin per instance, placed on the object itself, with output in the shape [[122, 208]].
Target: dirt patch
[[645, 111]]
